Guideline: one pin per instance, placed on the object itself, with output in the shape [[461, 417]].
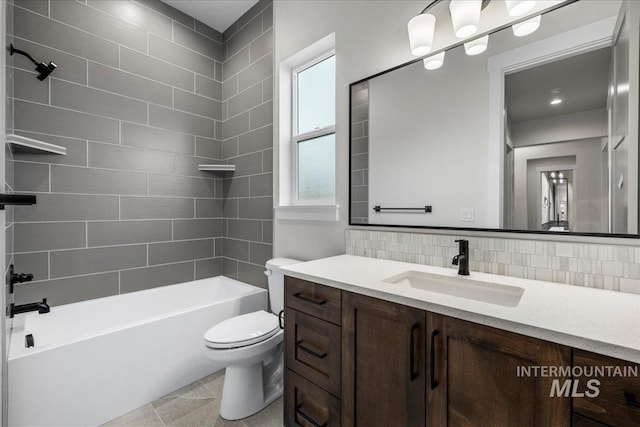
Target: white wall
[[363, 47], [427, 131], [563, 127]]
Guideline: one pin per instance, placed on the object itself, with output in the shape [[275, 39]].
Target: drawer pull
[[413, 371], [631, 399], [308, 418], [311, 352], [311, 300], [432, 361]]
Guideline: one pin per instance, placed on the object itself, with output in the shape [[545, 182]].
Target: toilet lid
[[242, 330]]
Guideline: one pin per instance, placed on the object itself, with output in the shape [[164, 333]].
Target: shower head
[[43, 69]]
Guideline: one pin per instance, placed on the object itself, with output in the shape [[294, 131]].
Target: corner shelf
[[216, 168], [23, 144]]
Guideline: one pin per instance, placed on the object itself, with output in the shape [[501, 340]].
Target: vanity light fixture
[[557, 178], [477, 46], [465, 16], [421, 29], [434, 62], [527, 27], [519, 7]]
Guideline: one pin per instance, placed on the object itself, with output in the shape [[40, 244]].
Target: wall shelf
[[23, 144], [216, 168]]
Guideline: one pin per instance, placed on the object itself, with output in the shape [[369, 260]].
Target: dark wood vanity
[[354, 360]]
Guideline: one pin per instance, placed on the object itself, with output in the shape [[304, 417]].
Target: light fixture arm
[[430, 5], [435, 2]]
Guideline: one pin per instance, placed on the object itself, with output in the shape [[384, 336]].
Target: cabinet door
[[383, 369], [617, 401], [473, 377]]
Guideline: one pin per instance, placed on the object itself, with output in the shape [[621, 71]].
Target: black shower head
[[44, 70]]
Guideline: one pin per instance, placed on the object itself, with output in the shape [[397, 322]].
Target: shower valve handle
[[22, 277], [18, 278]]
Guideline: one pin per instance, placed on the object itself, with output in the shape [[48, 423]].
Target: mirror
[[532, 135]]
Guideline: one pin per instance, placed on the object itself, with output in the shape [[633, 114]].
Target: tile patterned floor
[[197, 404]]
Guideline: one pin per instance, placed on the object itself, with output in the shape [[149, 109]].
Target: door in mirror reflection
[[557, 130]]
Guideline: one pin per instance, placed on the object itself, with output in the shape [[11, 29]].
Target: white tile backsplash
[[609, 267]]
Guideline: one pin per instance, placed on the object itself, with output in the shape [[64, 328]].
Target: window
[[313, 132]]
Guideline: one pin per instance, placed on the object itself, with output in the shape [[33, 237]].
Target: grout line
[[157, 415]]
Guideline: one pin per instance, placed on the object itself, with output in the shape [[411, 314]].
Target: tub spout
[[40, 307]]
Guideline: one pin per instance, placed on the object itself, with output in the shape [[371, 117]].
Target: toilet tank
[[276, 281]]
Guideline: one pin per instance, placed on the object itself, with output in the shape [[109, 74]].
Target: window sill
[[307, 213]]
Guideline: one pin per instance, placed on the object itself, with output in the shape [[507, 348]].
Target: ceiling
[[582, 79], [218, 14]]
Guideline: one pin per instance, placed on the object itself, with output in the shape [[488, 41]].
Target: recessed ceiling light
[[556, 101]]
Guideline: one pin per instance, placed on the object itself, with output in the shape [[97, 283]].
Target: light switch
[[467, 214]]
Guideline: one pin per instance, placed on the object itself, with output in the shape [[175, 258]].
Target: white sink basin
[[508, 296]]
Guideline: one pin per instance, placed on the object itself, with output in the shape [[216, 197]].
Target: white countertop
[[604, 322]]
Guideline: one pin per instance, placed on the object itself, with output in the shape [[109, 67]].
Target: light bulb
[[434, 62], [421, 29], [465, 16], [519, 7], [477, 46], [526, 27], [553, 174]]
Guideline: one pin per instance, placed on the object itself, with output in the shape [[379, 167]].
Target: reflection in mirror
[[557, 123], [484, 139]]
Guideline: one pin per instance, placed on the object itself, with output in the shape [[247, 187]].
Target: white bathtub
[[99, 359]]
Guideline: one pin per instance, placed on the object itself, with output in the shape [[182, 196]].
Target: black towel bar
[[425, 209]]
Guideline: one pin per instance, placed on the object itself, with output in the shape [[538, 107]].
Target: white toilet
[[251, 348]]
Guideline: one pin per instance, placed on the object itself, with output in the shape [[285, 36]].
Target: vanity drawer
[[317, 300], [618, 402], [307, 404], [313, 349]]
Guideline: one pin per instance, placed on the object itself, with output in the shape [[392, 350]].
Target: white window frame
[[316, 133]]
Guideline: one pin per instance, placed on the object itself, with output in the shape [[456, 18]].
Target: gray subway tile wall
[[136, 100], [247, 127], [360, 152], [603, 266]]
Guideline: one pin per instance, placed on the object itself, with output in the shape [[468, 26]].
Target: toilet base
[[249, 389]]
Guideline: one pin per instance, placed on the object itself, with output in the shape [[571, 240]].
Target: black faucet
[[462, 259], [41, 307]]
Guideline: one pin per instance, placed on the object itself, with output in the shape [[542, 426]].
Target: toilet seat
[[241, 331]]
